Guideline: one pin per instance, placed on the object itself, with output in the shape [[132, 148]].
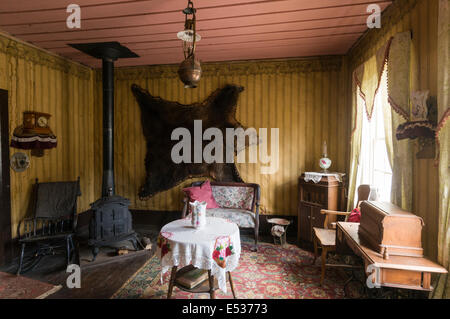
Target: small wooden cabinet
[[328, 193]]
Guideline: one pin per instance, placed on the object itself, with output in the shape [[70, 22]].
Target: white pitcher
[[198, 210]]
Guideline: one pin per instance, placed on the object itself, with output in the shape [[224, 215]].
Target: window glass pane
[[379, 120], [381, 161], [374, 167], [383, 184]]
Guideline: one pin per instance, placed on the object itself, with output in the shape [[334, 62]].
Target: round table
[[215, 248]]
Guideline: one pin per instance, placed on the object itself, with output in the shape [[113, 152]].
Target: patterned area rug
[[20, 287], [272, 272]]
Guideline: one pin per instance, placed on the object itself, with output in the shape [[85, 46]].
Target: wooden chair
[[326, 237], [53, 224]]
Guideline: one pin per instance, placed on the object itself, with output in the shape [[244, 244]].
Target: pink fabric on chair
[[202, 193], [355, 216]]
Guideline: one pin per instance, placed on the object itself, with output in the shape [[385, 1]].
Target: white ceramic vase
[[198, 210]]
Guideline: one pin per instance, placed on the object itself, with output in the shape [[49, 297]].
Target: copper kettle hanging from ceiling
[[190, 69]]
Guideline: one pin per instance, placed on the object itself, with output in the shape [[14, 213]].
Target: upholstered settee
[[238, 202]]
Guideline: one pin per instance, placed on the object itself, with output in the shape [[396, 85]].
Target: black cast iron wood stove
[[111, 221]]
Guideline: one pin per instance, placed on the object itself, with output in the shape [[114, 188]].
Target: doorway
[[5, 198]]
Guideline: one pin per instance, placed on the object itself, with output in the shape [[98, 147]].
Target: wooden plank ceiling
[[230, 30]]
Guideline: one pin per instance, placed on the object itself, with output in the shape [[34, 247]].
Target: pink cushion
[[202, 193], [355, 216]]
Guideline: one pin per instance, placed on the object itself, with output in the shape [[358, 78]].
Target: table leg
[[212, 292], [173, 275], [231, 284]]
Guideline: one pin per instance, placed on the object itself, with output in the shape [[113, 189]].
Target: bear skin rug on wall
[[160, 117]]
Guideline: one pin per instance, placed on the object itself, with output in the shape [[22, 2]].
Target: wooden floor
[[100, 281]]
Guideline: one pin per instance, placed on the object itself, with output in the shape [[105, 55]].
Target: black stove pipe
[[108, 52], [108, 187]]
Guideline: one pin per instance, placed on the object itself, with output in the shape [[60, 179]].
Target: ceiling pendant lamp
[[190, 69]]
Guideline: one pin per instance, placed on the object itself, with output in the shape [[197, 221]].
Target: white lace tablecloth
[[216, 247], [316, 176]]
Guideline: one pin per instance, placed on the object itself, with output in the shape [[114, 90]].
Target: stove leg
[[22, 251], [95, 251], [71, 243], [68, 250], [134, 243], [139, 242]]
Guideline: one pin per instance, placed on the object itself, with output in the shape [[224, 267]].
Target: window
[[374, 167]]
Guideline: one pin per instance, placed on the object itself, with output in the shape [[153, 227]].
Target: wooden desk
[[397, 271]]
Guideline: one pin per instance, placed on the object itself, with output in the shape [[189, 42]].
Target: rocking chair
[[53, 225]]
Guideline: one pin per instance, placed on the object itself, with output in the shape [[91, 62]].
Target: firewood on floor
[[146, 243], [122, 251]]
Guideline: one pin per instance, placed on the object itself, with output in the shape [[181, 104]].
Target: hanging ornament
[[190, 69]]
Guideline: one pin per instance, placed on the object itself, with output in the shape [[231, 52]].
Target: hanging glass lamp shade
[[188, 36]]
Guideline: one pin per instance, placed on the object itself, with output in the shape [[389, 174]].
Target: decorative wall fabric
[[442, 288]]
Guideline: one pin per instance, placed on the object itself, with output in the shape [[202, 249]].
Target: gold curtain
[[365, 81], [355, 145], [400, 152], [442, 289], [388, 120], [368, 77], [393, 56]]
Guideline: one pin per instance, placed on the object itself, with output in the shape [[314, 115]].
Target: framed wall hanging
[[20, 162]]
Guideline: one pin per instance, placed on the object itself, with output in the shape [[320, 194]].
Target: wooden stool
[[207, 286], [284, 223]]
